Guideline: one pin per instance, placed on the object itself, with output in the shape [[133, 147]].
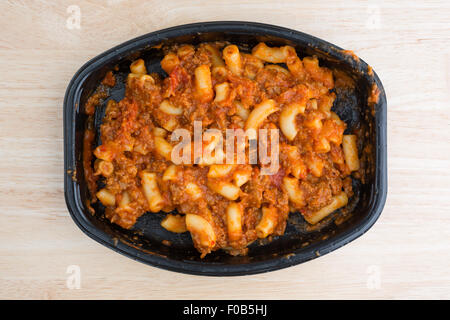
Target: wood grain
[[408, 249]]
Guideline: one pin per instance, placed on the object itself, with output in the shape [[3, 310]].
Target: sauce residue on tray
[[374, 95], [351, 54]]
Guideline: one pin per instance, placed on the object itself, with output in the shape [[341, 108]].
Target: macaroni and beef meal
[[223, 203]]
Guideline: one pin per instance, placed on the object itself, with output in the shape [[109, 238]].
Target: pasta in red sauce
[[223, 205]]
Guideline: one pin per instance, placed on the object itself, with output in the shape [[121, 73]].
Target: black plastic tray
[[300, 243]]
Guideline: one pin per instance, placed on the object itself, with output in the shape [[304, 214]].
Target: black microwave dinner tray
[[300, 243]]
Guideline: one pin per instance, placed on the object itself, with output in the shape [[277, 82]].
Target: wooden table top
[[405, 255]]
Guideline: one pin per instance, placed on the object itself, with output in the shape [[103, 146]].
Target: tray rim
[[71, 189]]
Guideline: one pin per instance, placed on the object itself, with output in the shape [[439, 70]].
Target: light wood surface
[[405, 255]]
